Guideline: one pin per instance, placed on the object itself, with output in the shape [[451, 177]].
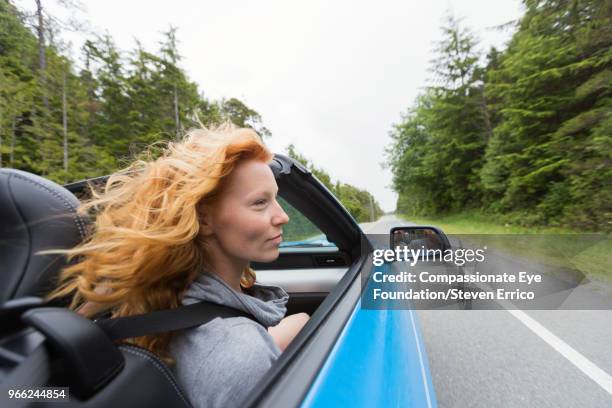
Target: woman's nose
[[281, 216]]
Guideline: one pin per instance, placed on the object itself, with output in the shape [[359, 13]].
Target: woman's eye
[[260, 202]]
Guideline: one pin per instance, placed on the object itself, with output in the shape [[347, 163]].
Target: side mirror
[[418, 237]]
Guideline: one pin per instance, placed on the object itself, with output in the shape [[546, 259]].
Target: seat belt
[[182, 317], [34, 370]]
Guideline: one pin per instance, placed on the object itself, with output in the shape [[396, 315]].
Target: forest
[[71, 119], [524, 133]]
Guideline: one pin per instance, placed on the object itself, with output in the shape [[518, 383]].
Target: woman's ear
[[205, 217]]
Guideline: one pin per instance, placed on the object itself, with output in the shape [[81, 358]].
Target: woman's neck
[[227, 268], [229, 277]]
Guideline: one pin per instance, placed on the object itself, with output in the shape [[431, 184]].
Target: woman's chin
[[269, 256]]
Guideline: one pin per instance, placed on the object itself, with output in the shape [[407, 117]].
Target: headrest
[[35, 214]]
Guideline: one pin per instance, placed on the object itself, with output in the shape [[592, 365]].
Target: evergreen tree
[[437, 149], [69, 126], [548, 160], [529, 135]]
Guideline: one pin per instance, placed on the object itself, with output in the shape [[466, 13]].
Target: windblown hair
[[145, 247]]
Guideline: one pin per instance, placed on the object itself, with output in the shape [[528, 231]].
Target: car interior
[[40, 215]]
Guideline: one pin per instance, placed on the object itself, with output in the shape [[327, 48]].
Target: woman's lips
[[277, 239]]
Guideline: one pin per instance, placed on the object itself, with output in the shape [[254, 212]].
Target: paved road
[[506, 358]]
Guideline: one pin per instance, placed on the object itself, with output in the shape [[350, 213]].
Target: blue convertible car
[[346, 355]]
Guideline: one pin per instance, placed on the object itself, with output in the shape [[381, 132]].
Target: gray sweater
[[219, 363]]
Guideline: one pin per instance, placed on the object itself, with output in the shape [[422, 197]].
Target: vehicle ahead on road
[[344, 355]]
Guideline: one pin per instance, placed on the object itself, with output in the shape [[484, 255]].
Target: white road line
[[603, 379]]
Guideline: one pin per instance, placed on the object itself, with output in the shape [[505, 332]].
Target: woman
[[181, 229]]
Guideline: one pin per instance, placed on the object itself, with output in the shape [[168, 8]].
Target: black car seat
[[37, 214]]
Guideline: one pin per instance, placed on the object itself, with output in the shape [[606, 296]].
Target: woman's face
[[246, 222]]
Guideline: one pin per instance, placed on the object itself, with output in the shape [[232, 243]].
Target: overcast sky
[[329, 76]]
